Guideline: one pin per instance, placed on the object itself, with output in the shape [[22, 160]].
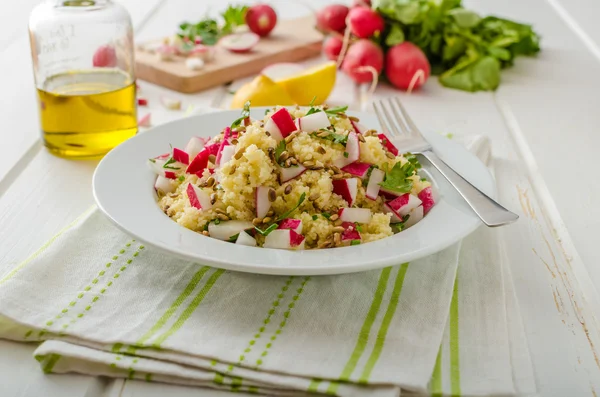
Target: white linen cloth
[[103, 304]]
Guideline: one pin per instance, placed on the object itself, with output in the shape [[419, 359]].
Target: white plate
[[124, 191]]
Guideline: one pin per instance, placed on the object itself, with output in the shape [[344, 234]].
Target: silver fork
[[400, 125]]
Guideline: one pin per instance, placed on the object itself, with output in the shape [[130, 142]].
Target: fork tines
[[400, 123]]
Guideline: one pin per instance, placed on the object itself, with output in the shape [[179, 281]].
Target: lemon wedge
[[316, 82], [261, 91]]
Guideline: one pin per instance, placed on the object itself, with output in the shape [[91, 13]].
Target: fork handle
[[488, 210]]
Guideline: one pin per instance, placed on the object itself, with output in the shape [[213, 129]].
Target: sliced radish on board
[[165, 185], [199, 163], [245, 239], [261, 201], [355, 215], [284, 239], [347, 188], [240, 42], [388, 144], [283, 119], [357, 169], [292, 224], [395, 216], [226, 154], [414, 216], [279, 71], [194, 146], [405, 203], [350, 233], [426, 196], [181, 156], [373, 187], [166, 52], [199, 199], [273, 129], [352, 151], [291, 172], [224, 230], [314, 122]]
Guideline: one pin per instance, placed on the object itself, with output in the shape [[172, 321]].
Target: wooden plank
[[292, 41]]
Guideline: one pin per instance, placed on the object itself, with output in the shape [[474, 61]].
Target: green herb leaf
[[464, 18], [166, 165], [152, 160], [312, 110], [315, 217], [312, 101], [280, 149], [181, 178], [217, 221], [233, 238], [288, 213], [336, 110], [245, 114], [346, 154], [267, 230], [358, 227], [395, 36], [355, 242], [233, 16], [397, 179], [335, 138], [326, 215], [400, 225], [480, 75]]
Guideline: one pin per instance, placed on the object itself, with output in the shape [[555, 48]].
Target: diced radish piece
[[358, 215], [194, 146], [273, 129], [351, 233], [278, 71], [213, 148], [395, 216], [165, 185], [145, 121], [199, 199], [170, 175], [163, 156], [426, 196], [291, 172], [314, 122], [166, 52], [357, 169], [283, 119], [388, 144], [224, 143], [142, 102], [347, 188], [373, 187], [291, 223], [181, 156], [227, 154], [157, 166], [199, 163], [352, 150], [284, 239], [359, 128], [240, 42], [261, 201], [414, 216], [225, 230], [245, 239], [405, 203], [389, 194]]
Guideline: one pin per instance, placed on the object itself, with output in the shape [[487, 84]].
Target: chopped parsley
[[267, 230], [326, 215], [358, 227], [315, 217], [335, 138], [355, 242], [285, 215], [423, 179], [217, 221], [181, 178], [397, 180], [346, 154], [245, 115], [233, 238], [400, 225], [171, 160]]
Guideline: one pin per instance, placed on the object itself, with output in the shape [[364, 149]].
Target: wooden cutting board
[[291, 41]]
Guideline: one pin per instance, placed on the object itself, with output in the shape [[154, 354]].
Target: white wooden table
[[544, 124]]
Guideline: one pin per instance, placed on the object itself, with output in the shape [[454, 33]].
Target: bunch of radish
[[350, 41]]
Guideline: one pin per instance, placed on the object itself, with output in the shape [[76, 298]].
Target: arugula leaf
[[288, 213], [312, 110], [267, 231], [245, 114], [397, 179], [336, 110], [234, 16], [233, 238]]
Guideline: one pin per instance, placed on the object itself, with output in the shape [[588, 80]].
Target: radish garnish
[[273, 130], [164, 185], [226, 155], [314, 122], [373, 187], [181, 156], [213, 148], [156, 166], [355, 215], [388, 144], [194, 146], [199, 199], [199, 163], [352, 152], [225, 230], [291, 172], [357, 169], [283, 119], [240, 42], [414, 216], [347, 188], [262, 203], [291, 223], [426, 196], [404, 204], [284, 239], [245, 239], [225, 142]]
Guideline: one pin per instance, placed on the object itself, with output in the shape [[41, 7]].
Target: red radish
[[357, 169], [213, 148], [406, 65], [156, 165], [355, 215], [361, 3], [365, 22], [225, 230], [351, 153], [245, 239], [170, 175], [261, 201], [142, 102], [194, 146], [227, 154], [347, 188], [414, 216], [388, 144], [389, 210], [261, 19], [359, 128], [199, 199], [145, 121], [166, 52], [278, 71], [314, 122], [426, 196], [283, 119], [284, 239], [404, 204], [351, 233], [163, 156], [164, 185], [291, 223], [362, 56], [199, 163], [224, 142], [105, 57], [332, 18], [373, 187], [332, 47], [272, 129], [389, 194], [181, 156], [291, 172], [240, 42]]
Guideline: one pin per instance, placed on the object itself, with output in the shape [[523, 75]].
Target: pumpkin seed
[[272, 195]]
